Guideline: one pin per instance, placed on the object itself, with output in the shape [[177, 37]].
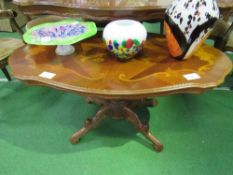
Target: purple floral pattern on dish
[[59, 32]]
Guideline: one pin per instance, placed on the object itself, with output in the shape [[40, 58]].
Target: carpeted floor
[[36, 122]]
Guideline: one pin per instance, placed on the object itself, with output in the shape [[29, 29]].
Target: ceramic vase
[[124, 38], [187, 24]]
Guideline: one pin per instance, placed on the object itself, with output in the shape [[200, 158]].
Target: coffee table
[[120, 87]]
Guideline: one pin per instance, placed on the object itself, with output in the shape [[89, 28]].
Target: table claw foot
[[156, 143], [158, 147], [74, 140]]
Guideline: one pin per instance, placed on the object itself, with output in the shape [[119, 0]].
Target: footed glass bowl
[[62, 33]]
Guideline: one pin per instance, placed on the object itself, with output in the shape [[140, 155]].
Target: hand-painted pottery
[[187, 24], [124, 38]]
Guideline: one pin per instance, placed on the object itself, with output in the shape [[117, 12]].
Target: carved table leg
[[144, 129], [119, 109], [89, 124]]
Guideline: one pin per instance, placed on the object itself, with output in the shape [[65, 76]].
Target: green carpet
[[36, 123]]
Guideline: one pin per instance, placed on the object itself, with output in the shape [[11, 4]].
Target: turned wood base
[[119, 109]]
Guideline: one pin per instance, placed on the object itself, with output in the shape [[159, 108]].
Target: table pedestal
[[119, 109]]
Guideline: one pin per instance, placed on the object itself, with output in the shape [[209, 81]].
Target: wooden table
[[106, 10], [120, 87]]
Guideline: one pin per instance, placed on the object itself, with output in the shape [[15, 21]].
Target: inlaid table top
[[104, 10], [93, 71]]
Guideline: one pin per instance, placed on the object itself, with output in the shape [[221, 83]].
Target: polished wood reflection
[[94, 71]]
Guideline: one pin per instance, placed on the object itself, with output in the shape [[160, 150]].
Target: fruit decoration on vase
[[124, 38], [188, 24], [62, 33]]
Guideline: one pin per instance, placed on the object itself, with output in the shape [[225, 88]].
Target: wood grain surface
[[93, 71]]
